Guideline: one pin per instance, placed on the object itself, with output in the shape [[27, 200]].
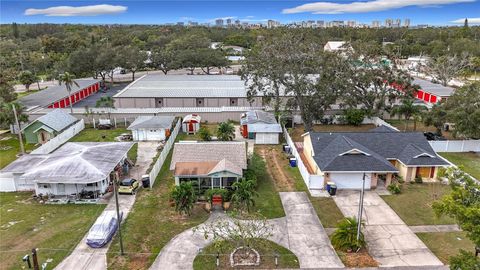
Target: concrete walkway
[[84, 257], [390, 241], [435, 228], [300, 231]]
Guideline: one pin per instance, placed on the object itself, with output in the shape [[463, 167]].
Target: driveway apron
[[390, 241]]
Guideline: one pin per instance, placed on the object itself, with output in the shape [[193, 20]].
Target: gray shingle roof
[[57, 120], [48, 96], [234, 152], [379, 146], [434, 88], [152, 122]]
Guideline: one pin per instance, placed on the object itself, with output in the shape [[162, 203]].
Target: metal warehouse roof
[[157, 85], [434, 88], [187, 110], [53, 93]]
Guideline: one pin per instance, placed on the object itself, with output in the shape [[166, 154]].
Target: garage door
[[350, 180], [155, 135], [266, 138]]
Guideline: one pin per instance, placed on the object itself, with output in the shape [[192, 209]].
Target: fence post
[[446, 147], [463, 145], [115, 121], [93, 122]]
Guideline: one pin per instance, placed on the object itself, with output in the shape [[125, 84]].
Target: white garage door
[[266, 138], [349, 180], [155, 135]]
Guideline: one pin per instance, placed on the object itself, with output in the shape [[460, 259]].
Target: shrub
[[442, 172], [345, 236], [225, 193], [394, 188], [353, 116], [399, 179], [204, 134], [226, 131], [244, 193], [184, 197], [464, 260], [418, 180]]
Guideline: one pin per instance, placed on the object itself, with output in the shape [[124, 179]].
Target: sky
[[431, 12]]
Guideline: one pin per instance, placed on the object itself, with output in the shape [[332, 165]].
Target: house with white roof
[[151, 128], [261, 126]]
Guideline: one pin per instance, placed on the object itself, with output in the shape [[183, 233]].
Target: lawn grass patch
[[97, 135], [206, 259], [10, 147], [414, 204], [297, 132], [268, 202], [420, 127], [470, 162], [446, 244], [152, 223], [54, 229]]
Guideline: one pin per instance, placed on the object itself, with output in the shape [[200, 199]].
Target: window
[[216, 182], [233, 101], [200, 102]]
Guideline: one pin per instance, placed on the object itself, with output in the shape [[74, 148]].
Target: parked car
[[128, 186], [433, 136], [125, 137], [103, 229]]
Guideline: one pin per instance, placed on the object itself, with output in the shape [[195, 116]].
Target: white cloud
[[470, 21], [368, 6], [66, 11]]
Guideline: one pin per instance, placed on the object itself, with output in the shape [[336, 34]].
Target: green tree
[[184, 198], [353, 116], [225, 131], [244, 194], [69, 81], [463, 109], [408, 109], [436, 116], [105, 102], [445, 68], [205, 134], [132, 59], [7, 117], [345, 236], [164, 60], [7, 92], [27, 78], [15, 30], [464, 260], [209, 58]]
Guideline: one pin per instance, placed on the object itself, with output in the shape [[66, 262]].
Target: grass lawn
[[414, 204], [10, 147], [469, 161], [268, 202], [194, 137], [446, 244], [400, 124], [206, 259], [297, 132], [151, 224], [54, 229]]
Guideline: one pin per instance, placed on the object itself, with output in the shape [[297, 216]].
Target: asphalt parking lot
[[91, 101]]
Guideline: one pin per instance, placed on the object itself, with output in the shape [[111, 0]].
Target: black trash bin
[[333, 190], [146, 181]]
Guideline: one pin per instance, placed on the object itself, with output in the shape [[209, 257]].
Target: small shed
[[265, 133], [191, 123], [46, 127], [151, 128]]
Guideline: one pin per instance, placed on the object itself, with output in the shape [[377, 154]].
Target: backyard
[[54, 229], [414, 204], [469, 162], [10, 147], [296, 133], [446, 244], [420, 127]]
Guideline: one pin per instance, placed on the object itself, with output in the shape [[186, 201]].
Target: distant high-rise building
[[180, 23], [406, 22], [351, 23], [376, 24], [388, 22], [272, 24], [397, 23], [229, 22], [219, 22], [321, 23], [237, 22]]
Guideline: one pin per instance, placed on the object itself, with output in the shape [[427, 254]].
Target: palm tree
[[345, 236], [184, 197], [226, 131], [69, 80], [408, 109], [244, 194]]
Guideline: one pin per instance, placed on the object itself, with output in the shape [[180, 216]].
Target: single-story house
[[191, 123], [151, 128], [46, 127], [209, 164], [337, 46], [346, 157], [74, 169], [261, 126]]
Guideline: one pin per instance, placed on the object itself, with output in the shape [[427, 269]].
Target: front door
[[424, 172], [190, 127]]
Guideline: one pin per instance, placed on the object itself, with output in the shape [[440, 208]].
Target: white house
[[151, 128], [261, 126], [73, 169]]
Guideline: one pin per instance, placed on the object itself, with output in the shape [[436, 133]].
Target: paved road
[[84, 257], [390, 241], [91, 101]]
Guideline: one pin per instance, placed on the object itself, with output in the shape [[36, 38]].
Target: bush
[[225, 193], [184, 197], [353, 116], [244, 193], [204, 134], [418, 180], [394, 188], [399, 179], [442, 172], [345, 236], [464, 260]]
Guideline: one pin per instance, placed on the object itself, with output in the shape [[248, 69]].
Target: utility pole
[[118, 213], [35, 259], [360, 209], [19, 129]]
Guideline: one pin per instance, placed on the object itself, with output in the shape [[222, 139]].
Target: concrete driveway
[[84, 257], [390, 241]]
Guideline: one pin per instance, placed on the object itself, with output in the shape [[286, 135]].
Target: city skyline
[[431, 12]]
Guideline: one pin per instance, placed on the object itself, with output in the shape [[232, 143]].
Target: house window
[[216, 182], [200, 102], [233, 101]]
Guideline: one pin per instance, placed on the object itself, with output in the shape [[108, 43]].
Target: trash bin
[[293, 162], [333, 190], [287, 149], [146, 181], [284, 147], [329, 184]]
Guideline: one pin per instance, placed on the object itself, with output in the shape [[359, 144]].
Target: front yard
[[468, 161], [10, 147], [446, 244], [54, 229], [414, 204]]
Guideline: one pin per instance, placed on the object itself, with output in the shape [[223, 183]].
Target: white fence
[[312, 181], [163, 155], [456, 146], [378, 122], [60, 139]]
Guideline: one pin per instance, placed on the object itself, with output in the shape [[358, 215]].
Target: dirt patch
[[274, 158], [359, 259]]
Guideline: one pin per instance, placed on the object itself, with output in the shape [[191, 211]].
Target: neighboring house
[[237, 50], [346, 157], [336, 46], [151, 128], [46, 127], [57, 96], [191, 123], [261, 126], [209, 164], [73, 169]]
